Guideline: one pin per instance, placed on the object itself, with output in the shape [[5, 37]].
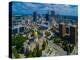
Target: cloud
[[65, 10], [47, 8], [26, 7]]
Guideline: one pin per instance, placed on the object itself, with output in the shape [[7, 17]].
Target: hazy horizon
[[42, 8]]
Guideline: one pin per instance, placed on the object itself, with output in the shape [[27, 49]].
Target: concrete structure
[[48, 16], [34, 16], [62, 29], [18, 29], [73, 31], [52, 13]]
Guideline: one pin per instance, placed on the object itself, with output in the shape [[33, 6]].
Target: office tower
[[47, 16], [68, 27], [67, 30], [52, 13], [73, 31], [34, 16], [62, 29]]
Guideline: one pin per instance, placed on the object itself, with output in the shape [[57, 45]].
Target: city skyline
[[42, 29], [42, 8]]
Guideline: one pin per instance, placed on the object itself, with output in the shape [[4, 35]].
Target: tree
[[14, 51], [56, 40], [18, 41], [39, 52], [44, 45], [34, 52], [30, 54]]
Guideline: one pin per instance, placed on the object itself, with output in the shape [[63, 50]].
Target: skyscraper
[[62, 29], [47, 17], [52, 13], [34, 16], [73, 31]]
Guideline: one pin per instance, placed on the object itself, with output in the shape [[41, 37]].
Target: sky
[[29, 7]]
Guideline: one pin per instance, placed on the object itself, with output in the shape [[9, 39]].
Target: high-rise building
[[34, 16], [73, 31], [52, 13], [47, 17], [62, 29]]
